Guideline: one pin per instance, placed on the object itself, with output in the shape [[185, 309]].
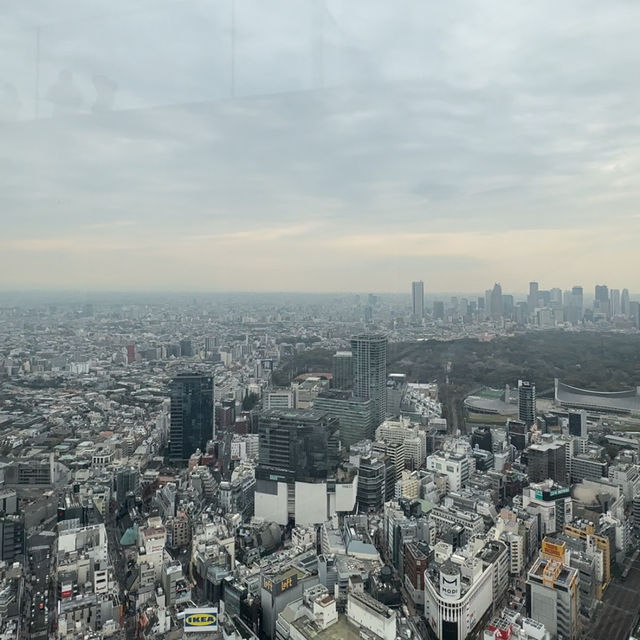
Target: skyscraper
[[634, 313], [555, 300], [192, 415], [624, 303], [497, 305], [532, 299], [575, 304], [417, 295], [526, 402], [370, 372], [601, 302], [342, 370], [614, 307]]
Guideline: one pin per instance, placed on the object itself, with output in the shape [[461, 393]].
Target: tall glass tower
[[417, 298], [370, 372], [342, 370], [192, 415]]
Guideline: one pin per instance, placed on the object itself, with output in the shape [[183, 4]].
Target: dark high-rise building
[[438, 310], [417, 299], [601, 302], [485, 460], [482, 437], [230, 405], [396, 390], [372, 484], [354, 414], [578, 424], [416, 559], [12, 539], [192, 415], [370, 372], [186, 348], [518, 433], [127, 479], [224, 417], [526, 402], [342, 370], [297, 444], [299, 468], [547, 460]]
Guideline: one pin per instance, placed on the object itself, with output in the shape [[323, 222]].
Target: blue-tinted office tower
[[192, 415], [370, 372]]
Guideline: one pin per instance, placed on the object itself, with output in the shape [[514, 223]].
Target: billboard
[[553, 550], [199, 620], [276, 587], [450, 587], [554, 494]]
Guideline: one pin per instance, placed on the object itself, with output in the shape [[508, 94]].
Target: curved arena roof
[[627, 401]]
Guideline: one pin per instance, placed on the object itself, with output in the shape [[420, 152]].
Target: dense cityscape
[[319, 320], [197, 464]]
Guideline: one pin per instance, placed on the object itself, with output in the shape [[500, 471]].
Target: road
[[620, 608], [39, 599], [118, 563]]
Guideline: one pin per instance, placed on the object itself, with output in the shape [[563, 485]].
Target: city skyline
[[319, 319], [400, 290]]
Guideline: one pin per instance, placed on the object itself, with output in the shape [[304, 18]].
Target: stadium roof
[[627, 401]]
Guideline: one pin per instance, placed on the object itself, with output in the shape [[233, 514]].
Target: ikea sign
[[200, 620]]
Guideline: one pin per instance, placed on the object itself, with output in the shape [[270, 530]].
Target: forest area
[[603, 361]]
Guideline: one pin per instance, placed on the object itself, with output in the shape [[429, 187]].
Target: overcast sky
[[319, 145]]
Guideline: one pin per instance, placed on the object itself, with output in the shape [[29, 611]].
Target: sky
[[319, 145]]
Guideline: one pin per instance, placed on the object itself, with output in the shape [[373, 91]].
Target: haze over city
[[302, 147]]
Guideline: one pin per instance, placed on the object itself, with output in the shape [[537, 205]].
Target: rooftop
[[341, 630], [625, 401], [552, 571]]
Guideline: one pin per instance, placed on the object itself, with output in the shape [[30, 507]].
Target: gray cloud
[[359, 117]]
